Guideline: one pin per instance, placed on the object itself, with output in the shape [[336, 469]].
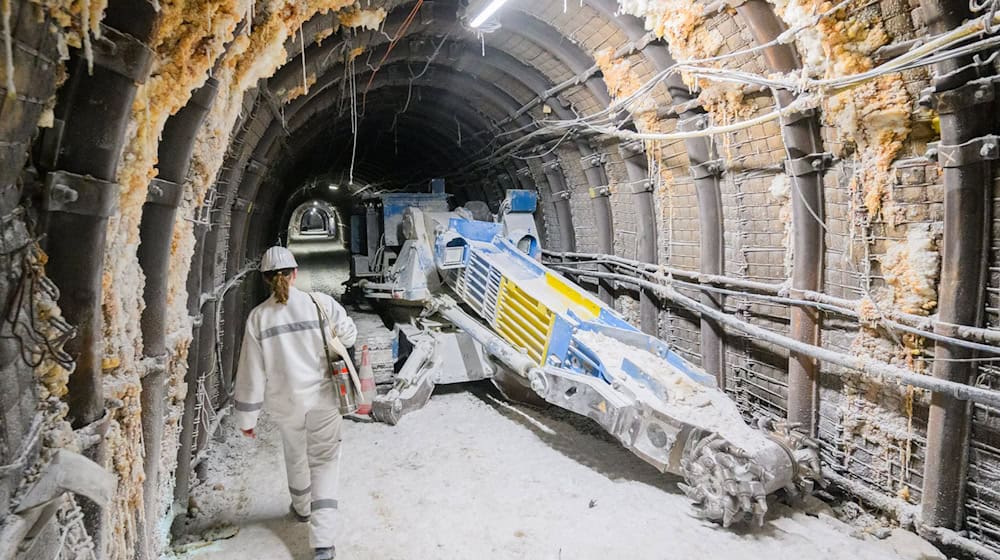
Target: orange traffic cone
[[367, 377]]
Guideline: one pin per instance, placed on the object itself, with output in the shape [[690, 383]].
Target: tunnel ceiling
[[439, 97]]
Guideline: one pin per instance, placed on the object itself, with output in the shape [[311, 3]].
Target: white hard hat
[[277, 258]]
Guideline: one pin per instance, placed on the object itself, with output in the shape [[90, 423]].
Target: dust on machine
[[471, 299]]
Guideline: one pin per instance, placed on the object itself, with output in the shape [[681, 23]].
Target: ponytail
[[279, 281]]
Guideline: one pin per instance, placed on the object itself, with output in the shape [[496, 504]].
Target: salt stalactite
[[368, 19], [88, 52], [680, 22], [300, 90], [302, 47]]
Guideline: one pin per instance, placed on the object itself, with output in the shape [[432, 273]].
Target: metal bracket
[[979, 70], [255, 167], [78, 194], [797, 116], [594, 160], [583, 76], [562, 195], [524, 171], [697, 122], [807, 164], [639, 187], [123, 54], [207, 297], [164, 193], [646, 40], [681, 108], [242, 204], [713, 168], [553, 165], [633, 148], [963, 97], [984, 148], [598, 192]]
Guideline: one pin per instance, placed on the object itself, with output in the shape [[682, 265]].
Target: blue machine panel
[[522, 200], [475, 230]]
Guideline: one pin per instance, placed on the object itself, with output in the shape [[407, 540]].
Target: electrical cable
[[392, 44]]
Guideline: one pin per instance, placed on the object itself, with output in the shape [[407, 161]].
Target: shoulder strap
[[322, 330], [338, 346]]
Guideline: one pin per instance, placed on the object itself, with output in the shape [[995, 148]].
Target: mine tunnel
[[629, 279]]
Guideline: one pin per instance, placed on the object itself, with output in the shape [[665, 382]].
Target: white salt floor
[[472, 477]]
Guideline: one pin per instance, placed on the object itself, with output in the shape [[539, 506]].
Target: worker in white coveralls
[[283, 367]]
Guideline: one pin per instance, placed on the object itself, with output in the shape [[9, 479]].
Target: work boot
[[325, 553], [298, 517]]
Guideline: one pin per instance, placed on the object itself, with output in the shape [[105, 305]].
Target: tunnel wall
[[882, 210]]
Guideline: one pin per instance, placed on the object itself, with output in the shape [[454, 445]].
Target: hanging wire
[[22, 319], [392, 44], [354, 122]]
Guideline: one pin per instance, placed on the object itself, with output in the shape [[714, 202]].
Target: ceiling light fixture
[[488, 11]]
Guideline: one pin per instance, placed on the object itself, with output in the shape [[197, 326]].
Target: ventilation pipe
[[800, 132], [964, 101]]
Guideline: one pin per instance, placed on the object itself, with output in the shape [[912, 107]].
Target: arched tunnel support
[[82, 195], [35, 81], [962, 104], [185, 455], [705, 169], [640, 186], [805, 165], [156, 238]]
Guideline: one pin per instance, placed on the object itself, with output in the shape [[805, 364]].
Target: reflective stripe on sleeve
[[248, 406], [296, 492]]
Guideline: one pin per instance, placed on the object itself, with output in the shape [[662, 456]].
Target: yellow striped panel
[[522, 321]]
